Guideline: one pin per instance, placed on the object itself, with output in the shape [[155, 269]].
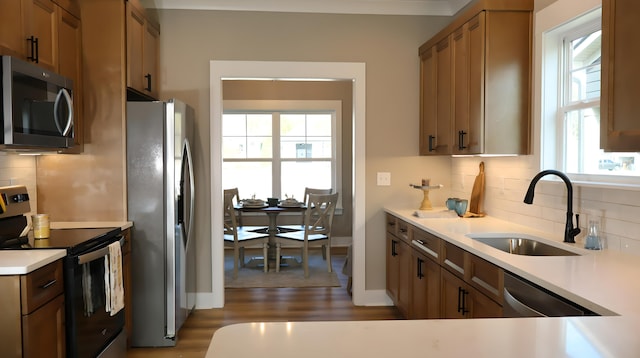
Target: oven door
[[90, 328]]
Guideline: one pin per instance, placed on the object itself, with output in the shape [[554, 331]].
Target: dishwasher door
[[525, 299]]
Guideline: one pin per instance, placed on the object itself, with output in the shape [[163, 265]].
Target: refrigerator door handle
[[187, 152]]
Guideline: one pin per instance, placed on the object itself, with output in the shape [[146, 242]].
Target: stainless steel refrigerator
[[161, 198]]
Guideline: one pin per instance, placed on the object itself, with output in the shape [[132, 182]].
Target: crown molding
[[369, 7]]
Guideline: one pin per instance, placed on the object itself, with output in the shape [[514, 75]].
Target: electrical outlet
[[384, 179]]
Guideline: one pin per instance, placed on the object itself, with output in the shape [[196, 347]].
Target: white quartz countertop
[[607, 282], [90, 224], [20, 262]]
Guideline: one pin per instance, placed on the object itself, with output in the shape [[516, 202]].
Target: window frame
[[276, 107], [552, 67]]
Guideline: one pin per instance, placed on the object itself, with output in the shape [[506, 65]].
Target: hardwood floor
[[264, 305]]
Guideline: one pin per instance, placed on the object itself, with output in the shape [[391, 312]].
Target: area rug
[[292, 275]]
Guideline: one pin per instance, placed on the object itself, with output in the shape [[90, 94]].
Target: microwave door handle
[[67, 128]]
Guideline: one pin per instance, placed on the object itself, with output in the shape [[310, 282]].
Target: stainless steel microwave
[[37, 107]]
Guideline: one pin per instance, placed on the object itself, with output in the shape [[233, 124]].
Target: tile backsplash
[[507, 180], [19, 170]]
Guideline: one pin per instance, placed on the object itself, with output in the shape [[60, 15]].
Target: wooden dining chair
[[240, 239], [316, 231], [305, 199], [236, 201]]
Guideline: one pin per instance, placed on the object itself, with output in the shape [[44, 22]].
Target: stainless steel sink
[[524, 246]]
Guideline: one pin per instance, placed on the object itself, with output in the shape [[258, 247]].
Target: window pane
[[319, 125], [584, 67], [298, 175], [251, 178], [259, 147], [234, 147], [292, 125], [259, 125], [234, 125], [583, 153]]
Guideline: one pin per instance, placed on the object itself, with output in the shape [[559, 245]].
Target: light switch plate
[[384, 179]]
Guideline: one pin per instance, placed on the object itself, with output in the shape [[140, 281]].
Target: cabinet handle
[[148, 77], [431, 147], [464, 302], [48, 284], [393, 248], [461, 140], [460, 308], [420, 273], [33, 42]]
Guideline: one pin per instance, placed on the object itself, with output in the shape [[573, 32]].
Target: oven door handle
[[94, 255]]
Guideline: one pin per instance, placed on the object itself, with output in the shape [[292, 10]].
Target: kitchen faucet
[[569, 231]]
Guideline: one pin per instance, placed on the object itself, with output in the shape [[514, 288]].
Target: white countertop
[[607, 282], [90, 224], [20, 262]]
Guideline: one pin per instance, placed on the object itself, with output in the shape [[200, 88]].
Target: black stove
[[73, 240]]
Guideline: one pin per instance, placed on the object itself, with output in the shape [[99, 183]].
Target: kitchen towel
[[114, 288]]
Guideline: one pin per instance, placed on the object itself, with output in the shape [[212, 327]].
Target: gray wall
[[389, 47]]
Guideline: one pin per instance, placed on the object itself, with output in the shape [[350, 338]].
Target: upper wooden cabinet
[[619, 125], [48, 34], [479, 88], [143, 36]]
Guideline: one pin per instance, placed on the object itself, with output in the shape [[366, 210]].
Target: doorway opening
[[292, 71]]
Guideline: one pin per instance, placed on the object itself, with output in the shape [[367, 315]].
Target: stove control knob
[[19, 198]]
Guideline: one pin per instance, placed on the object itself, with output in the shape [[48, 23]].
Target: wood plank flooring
[[267, 305]]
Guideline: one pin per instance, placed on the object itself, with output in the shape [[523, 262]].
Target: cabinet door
[[398, 273], [468, 72], [70, 65], [43, 28], [443, 100], [425, 287], [150, 59], [135, 36], [12, 28], [481, 306], [452, 296], [619, 126], [428, 102], [43, 331]]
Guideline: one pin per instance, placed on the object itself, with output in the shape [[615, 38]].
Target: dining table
[[272, 213]]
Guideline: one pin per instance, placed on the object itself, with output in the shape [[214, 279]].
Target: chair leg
[[236, 256], [242, 263], [327, 248], [305, 259], [278, 257], [265, 247]]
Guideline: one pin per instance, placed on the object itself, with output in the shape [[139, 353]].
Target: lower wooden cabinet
[[429, 278], [461, 300], [32, 311], [425, 287], [398, 271]]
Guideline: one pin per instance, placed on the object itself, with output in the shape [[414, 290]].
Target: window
[[277, 148], [571, 105]]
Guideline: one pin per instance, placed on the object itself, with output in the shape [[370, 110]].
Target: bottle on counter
[[593, 242]]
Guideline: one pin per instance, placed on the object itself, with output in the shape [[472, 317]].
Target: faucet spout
[[570, 232]]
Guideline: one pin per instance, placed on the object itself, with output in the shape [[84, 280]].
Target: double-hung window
[[277, 148], [571, 105]]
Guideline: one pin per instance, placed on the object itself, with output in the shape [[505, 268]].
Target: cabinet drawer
[[452, 259], [426, 243], [486, 277], [392, 224], [41, 286]]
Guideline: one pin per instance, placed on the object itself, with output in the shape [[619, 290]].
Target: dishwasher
[[526, 299]]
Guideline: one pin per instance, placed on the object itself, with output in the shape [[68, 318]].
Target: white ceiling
[[374, 7]]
